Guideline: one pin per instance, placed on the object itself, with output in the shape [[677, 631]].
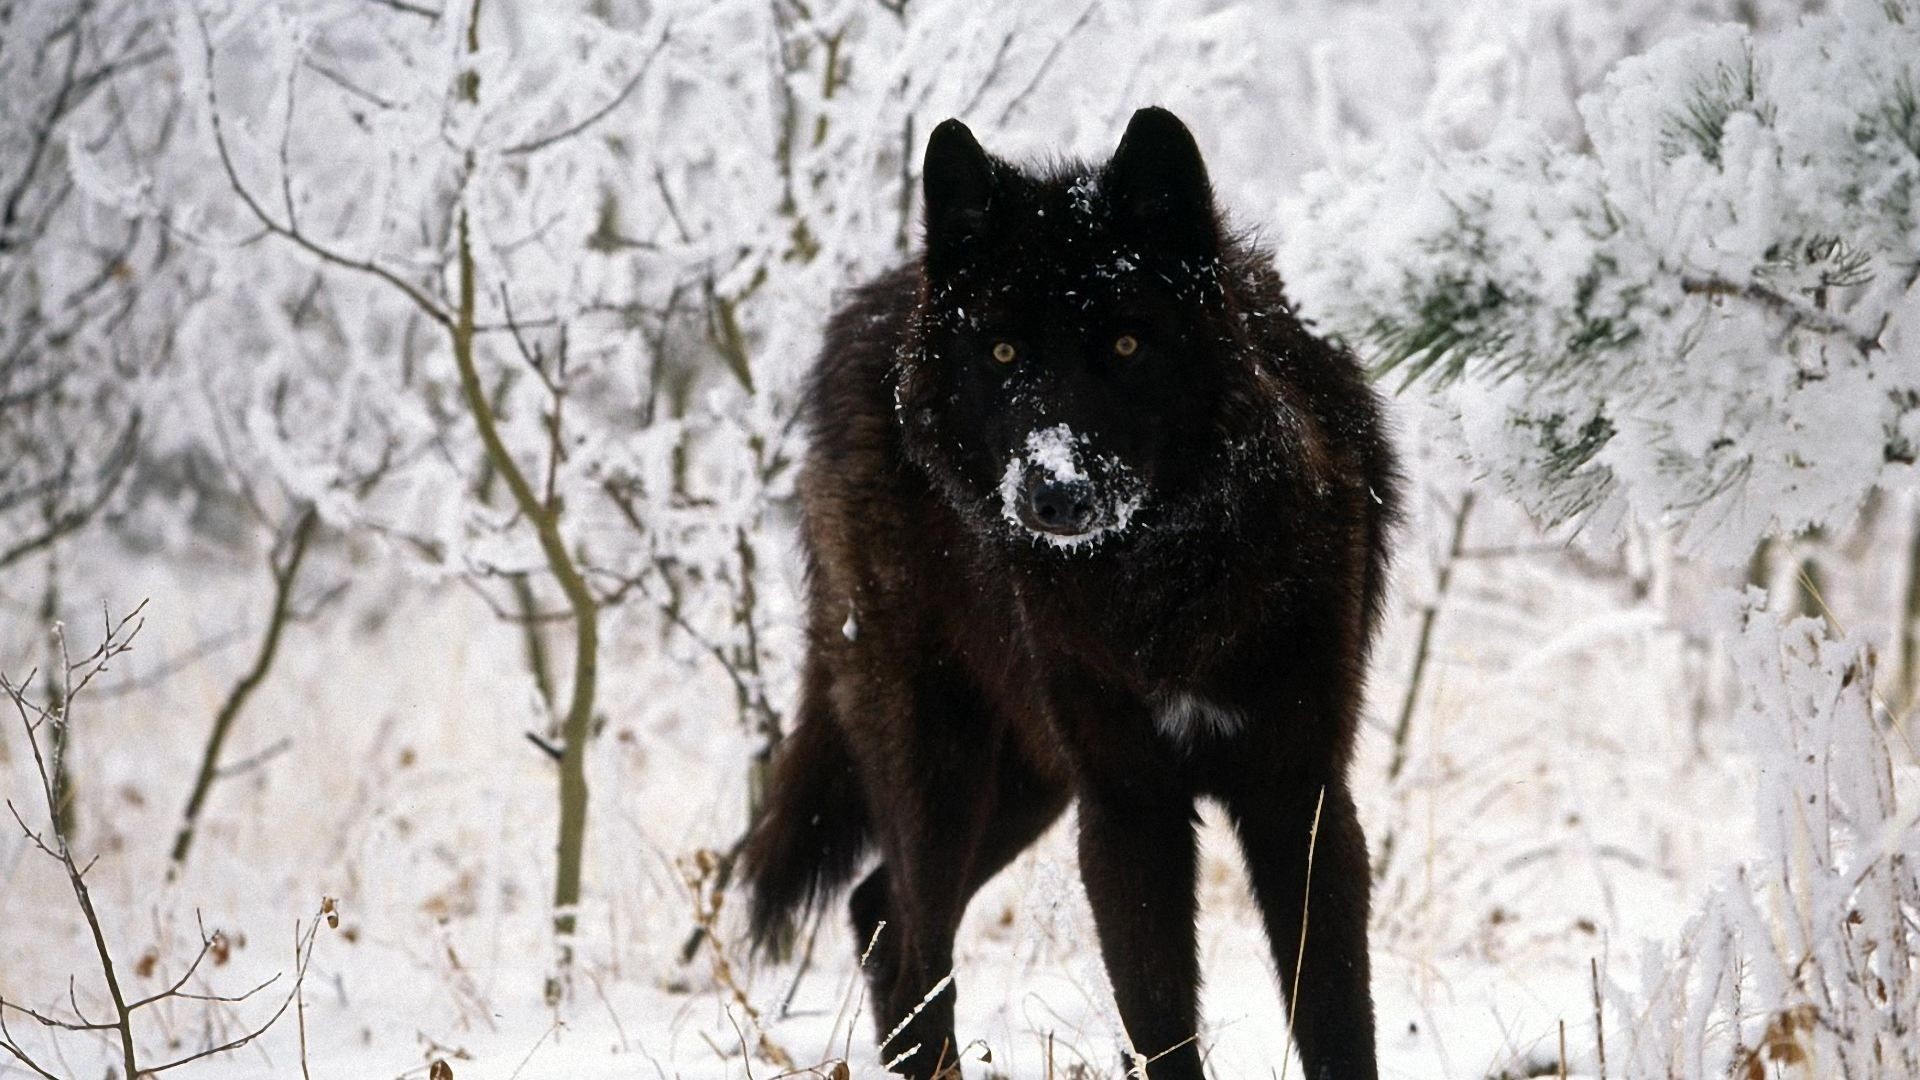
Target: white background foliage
[[1645, 276]]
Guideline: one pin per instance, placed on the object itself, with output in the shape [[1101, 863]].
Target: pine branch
[[1797, 315]]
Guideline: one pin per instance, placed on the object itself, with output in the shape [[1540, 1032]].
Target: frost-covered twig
[[541, 514], [289, 230], [581, 602], [1807, 954], [431, 14], [597, 115], [1795, 314]]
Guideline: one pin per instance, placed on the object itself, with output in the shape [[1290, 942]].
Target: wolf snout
[[1063, 507]]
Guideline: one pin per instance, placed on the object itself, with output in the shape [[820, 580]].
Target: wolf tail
[[813, 826]]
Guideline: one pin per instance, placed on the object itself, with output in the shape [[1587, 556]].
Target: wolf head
[[1073, 336]]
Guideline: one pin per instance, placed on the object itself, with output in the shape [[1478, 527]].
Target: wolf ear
[[957, 182], [1157, 180]]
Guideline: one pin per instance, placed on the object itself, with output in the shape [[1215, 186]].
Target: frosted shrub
[[1806, 961], [1702, 317], [1706, 319]]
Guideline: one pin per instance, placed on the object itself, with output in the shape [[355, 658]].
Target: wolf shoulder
[[849, 392]]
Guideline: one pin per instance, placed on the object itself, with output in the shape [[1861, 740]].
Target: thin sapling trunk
[[285, 575]]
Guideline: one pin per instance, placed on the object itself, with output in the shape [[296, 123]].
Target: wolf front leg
[[1329, 997], [1024, 801], [1137, 859]]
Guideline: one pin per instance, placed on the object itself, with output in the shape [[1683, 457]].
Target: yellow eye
[[1126, 345], [1004, 352]]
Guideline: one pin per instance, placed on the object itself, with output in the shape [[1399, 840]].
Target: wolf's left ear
[[1157, 180], [957, 182]]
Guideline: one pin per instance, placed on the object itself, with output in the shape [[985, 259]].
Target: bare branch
[[305, 953], [111, 473], [1046, 64], [300, 239], [54, 1022], [529, 617], [174, 665], [603, 111], [1796, 314], [988, 80], [35, 838], [285, 576], [232, 998], [43, 136], [118, 637], [117, 640], [73, 999], [206, 946], [409, 9], [8, 1044], [255, 760], [350, 86]]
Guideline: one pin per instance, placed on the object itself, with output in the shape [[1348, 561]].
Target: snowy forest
[[400, 599]]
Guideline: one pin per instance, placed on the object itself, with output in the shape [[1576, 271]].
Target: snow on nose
[[1058, 491]]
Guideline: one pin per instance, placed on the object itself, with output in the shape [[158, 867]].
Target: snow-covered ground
[[1569, 793]]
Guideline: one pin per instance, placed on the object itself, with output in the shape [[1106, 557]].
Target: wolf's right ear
[[1156, 179], [957, 183]]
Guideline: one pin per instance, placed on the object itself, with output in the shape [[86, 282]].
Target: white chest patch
[[1183, 714]]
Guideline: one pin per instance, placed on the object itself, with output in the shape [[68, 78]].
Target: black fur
[[1111, 526]]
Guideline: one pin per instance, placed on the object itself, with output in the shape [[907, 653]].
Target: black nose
[[1062, 507]]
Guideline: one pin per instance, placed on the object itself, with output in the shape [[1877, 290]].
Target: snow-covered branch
[[1707, 319]]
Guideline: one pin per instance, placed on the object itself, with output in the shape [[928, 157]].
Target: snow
[[1618, 763], [1054, 449], [1118, 493], [1085, 195], [1561, 802], [1706, 280]]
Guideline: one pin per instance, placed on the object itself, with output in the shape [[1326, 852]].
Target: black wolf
[[1090, 516]]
